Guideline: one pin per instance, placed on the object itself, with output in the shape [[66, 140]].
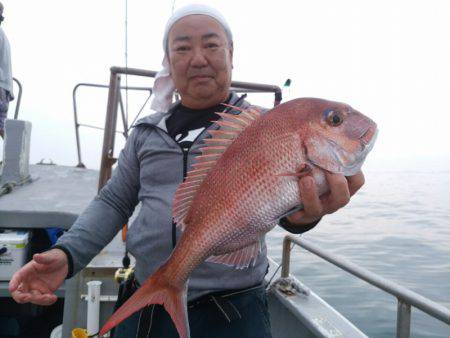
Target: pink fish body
[[245, 180]]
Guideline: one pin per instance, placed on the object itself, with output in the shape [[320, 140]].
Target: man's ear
[[231, 55]]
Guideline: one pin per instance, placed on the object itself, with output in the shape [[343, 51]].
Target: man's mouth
[[200, 77]]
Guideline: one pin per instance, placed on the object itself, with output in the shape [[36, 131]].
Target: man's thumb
[[47, 257]]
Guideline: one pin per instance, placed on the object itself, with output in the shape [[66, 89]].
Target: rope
[[140, 111], [276, 271], [9, 186]]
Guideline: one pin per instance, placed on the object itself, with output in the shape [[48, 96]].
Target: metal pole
[[403, 319], [235, 84], [286, 260], [124, 119], [75, 112], [110, 127], [19, 98], [133, 71], [71, 305], [77, 126]]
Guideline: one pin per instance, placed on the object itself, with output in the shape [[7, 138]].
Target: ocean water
[[398, 226]]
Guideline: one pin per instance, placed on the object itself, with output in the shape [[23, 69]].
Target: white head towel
[[164, 86]]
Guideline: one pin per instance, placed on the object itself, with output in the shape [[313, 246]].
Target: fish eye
[[333, 117]]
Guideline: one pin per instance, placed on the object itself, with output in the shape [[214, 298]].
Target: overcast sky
[[388, 59]]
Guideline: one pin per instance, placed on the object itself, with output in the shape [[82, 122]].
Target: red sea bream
[[245, 180]]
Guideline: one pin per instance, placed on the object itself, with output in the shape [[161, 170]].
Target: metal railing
[[406, 298], [19, 98], [107, 159], [122, 109]]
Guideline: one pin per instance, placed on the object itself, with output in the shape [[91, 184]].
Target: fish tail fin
[[156, 290]]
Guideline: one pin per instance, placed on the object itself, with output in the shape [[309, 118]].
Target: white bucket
[[57, 332]]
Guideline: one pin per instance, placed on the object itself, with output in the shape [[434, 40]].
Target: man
[[6, 85], [223, 301]]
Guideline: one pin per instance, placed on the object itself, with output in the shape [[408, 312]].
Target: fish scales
[[240, 191]]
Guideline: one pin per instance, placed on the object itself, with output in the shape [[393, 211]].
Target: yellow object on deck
[[79, 333]]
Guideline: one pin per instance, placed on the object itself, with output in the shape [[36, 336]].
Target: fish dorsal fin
[[230, 127], [241, 259]]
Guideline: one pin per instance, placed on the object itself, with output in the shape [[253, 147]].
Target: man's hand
[[315, 207], [37, 281]]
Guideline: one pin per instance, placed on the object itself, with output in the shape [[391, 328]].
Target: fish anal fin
[[241, 259]]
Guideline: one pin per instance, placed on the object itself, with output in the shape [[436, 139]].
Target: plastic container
[[13, 252]]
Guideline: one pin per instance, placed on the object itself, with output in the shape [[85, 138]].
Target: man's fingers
[[14, 283], [355, 182], [16, 279], [21, 297], [43, 299], [310, 198], [339, 194], [34, 297]]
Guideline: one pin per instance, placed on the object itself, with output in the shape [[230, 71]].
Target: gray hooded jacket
[[149, 170], [6, 81]]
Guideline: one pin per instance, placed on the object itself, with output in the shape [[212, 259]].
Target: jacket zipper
[[185, 158], [185, 163]]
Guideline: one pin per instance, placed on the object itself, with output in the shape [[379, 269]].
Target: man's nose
[[198, 58]]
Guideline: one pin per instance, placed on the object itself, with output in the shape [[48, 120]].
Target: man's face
[[200, 58]]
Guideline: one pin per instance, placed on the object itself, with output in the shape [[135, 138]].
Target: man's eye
[[182, 48], [212, 45]]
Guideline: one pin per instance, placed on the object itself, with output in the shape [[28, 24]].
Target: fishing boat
[[46, 195]]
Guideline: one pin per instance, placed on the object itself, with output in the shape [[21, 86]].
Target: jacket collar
[[158, 119]]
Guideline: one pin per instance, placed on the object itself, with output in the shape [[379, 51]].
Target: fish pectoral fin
[[241, 259], [303, 170]]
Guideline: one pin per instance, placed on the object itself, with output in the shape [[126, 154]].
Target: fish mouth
[[369, 135], [368, 139]]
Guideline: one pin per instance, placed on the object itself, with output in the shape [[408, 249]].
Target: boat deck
[[54, 198]]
